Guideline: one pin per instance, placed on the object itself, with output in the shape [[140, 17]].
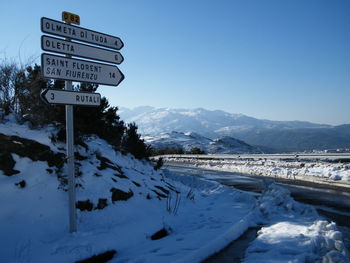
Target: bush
[[8, 77], [168, 150], [132, 143], [196, 150], [159, 163]]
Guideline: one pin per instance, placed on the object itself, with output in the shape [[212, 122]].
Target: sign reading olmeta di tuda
[[57, 67], [57, 28], [56, 96], [61, 46]]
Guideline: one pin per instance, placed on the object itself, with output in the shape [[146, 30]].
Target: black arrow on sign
[[42, 96]]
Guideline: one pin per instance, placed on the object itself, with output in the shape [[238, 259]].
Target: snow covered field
[[142, 215], [318, 172]]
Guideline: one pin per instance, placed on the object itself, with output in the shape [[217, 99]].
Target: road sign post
[[61, 46], [70, 163], [66, 97], [58, 28], [70, 18], [66, 68], [72, 69], [70, 159]]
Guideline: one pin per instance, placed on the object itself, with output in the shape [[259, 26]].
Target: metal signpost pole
[[70, 163], [72, 69], [70, 159]]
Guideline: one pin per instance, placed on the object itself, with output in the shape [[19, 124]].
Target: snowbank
[[293, 170], [144, 215], [293, 232], [123, 202]]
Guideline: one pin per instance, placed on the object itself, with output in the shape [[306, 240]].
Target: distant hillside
[[302, 139], [272, 136], [187, 141], [208, 123]]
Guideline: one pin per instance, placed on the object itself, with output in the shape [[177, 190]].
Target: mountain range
[[190, 140], [270, 136]]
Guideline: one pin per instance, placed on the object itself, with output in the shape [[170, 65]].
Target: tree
[[29, 106], [196, 150], [167, 150], [20, 93], [132, 143], [9, 72], [102, 120]]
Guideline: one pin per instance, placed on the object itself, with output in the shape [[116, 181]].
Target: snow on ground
[[130, 202], [300, 170], [11, 127], [293, 232]]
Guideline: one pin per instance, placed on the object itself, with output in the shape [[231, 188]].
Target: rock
[[100, 258], [119, 195], [21, 184], [7, 163], [160, 234], [84, 205], [30, 149], [102, 203]]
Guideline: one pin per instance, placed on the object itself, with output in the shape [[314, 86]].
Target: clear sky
[[271, 59]]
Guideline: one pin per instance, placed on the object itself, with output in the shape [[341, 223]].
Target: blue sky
[[277, 60]]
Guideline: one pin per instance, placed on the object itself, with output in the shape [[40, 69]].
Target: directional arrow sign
[[57, 28], [57, 67], [56, 96], [80, 50]]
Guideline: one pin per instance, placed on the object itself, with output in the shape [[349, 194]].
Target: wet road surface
[[330, 203]]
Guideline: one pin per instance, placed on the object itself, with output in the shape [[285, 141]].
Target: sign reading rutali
[[56, 96]]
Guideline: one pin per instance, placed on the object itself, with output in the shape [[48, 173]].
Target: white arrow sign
[[57, 67], [56, 96], [57, 28], [80, 50]]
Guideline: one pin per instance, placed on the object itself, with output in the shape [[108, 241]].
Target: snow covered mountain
[[209, 123], [189, 140], [273, 136]]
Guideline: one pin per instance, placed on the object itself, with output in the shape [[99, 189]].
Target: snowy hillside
[[128, 212], [189, 140], [273, 136]]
